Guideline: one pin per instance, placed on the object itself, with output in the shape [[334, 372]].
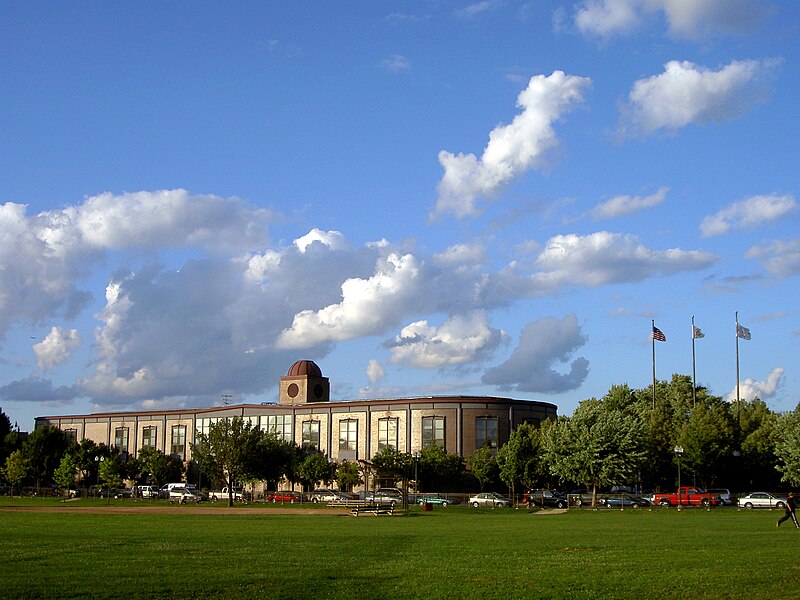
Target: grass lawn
[[453, 552]]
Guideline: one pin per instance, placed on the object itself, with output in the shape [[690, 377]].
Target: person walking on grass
[[790, 514]]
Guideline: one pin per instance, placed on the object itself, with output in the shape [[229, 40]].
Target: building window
[[311, 435], [149, 437], [121, 439], [178, 440], [387, 433], [280, 425], [433, 432], [71, 435], [348, 435], [486, 432]]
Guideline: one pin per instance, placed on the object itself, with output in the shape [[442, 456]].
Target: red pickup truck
[[687, 496]]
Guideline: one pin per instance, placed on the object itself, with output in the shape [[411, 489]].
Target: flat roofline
[[269, 406]]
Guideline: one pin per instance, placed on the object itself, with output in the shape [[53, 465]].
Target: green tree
[[158, 468], [757, 425], [110, 474], [43, 450], [348, 475], [64, 475], [787, 446], [597, 446], [5, 429], [438, 470], [315, 467], [521, 459], [16, 469], [271, 460], [227, 450], [483, 466], [707, 440], [390, 466]]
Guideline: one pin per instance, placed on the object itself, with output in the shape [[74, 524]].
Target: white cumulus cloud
[[620, 206], [602, 258], [780, 258], [367, 306], [375, 371], [513, 149], [686, 93], [685, 18], [749, 389], [56, 347], [460, 340], [748, 213]]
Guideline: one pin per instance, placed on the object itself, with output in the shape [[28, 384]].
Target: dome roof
[[304, 367]]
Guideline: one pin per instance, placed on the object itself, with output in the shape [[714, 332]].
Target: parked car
[[387, 496], [441, 501], [492, 499], [327, 495], [544, 498], [287, 497], [184, 495], [724, 495], [146, 491], [762, 500], [622, 499]]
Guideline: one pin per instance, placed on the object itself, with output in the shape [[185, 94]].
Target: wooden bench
[[373, 510], [350, 504]]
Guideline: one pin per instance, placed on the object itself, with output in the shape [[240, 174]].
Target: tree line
[[621, 439]]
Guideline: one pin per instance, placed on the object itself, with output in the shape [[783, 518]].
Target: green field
[[453, 552]]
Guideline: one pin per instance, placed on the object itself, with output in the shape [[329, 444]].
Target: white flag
[[696, 333], [742, 332]]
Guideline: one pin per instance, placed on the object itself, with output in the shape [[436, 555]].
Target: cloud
[[686, 93], [749, 389], [781, 259], [36, 389], [332, 239], [367, 306], [605, 18], [692, 19], [512, 149], [625, 205], [375, 371], [396, 63], [43, 257], [477, 8], [56, 347], [542, 344], [165, 218], [748, 213], [462, 339], [604, 258]]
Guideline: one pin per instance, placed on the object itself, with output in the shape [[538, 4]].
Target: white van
[[166, 489], [146, 491]]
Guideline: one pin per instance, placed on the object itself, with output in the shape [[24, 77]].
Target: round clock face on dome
[[293, 390], [318, 391]]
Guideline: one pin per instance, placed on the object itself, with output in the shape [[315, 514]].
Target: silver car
[[492, 499], [761, 500], [327, 495]]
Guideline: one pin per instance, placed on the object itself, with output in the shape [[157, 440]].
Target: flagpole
[[653, 341], [694, 374], [737, 367]]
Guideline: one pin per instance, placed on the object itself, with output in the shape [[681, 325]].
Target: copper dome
[[304, 367]]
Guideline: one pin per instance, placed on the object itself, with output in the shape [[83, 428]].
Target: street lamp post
[[679, 452], [417, 456]]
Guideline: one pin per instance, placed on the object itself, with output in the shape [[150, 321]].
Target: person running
[[790, 508]]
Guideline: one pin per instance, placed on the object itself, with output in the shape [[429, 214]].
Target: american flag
[[658, 335]]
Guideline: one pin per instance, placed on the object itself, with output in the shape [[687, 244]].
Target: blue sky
[[425, 198]]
